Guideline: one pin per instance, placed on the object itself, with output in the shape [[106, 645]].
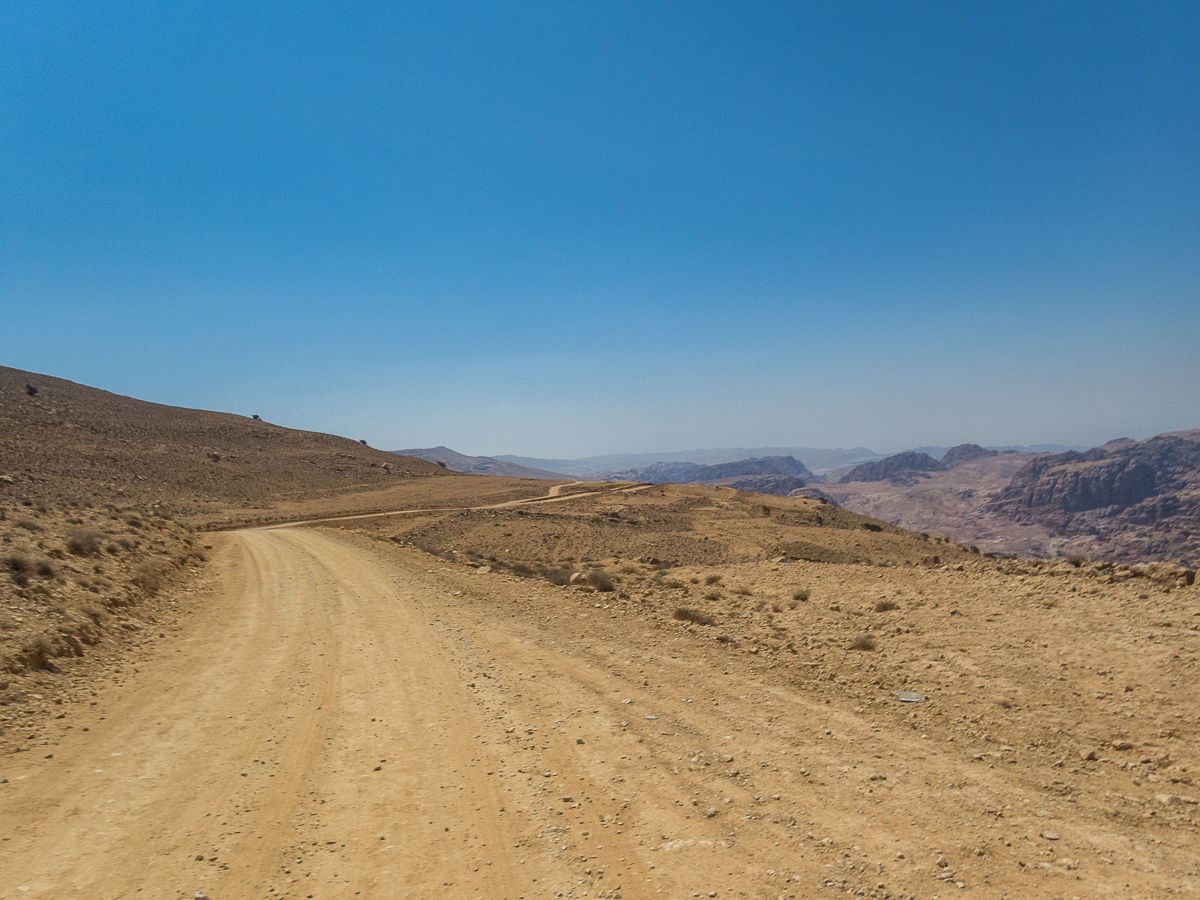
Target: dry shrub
[[150, 575], [712, 579], [886, 606], [742, 591], [685, 614], [601, 580], [801, 595], [28, 524], [46, 569], [16, 563], [777, 607], [84, 541], [561, 577], [714, 596], [863, 642]]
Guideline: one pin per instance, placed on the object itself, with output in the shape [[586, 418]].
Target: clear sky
[[562, 229]]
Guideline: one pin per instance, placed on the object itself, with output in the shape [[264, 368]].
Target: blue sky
[[564, 229]]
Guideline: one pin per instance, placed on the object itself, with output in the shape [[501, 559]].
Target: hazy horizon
[[563, 231]]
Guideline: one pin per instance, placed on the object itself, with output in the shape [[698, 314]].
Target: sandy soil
[[331, 714]]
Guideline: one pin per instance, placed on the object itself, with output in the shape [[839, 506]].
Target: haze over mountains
[[1129, 501], [817, 459]]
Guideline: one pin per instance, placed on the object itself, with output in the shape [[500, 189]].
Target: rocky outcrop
[[1138, 500], [902, 466]]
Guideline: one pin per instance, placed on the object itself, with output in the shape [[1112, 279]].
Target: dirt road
[[303, 737], [337, 718]]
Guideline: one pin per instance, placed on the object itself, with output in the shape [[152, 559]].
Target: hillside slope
[[59, 439]]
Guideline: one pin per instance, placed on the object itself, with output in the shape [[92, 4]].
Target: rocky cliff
[[1140, 500]]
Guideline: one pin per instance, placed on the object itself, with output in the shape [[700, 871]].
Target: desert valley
[[243, 661]]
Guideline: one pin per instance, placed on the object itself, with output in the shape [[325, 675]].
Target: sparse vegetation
[[801, 595], [150, 575], [686, 614], [601, 580], [863, 642], [84, 541], [712, 579], [886, 605]]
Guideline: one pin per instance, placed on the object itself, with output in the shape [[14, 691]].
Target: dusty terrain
[[502, 688]]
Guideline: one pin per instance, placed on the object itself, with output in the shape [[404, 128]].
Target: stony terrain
[[466, 686]]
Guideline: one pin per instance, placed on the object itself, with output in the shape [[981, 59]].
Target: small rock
[[484, 570], [1088, 754], [1050, 835], [1167, 799], [710, 812]]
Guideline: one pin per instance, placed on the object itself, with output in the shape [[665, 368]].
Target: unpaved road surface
[[336, 718]]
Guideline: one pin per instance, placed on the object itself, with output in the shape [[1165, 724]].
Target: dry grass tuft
[[801, 595], [685, 614], [863, 642], [601, 580], [561, 577], [886, 606], [84, 541]]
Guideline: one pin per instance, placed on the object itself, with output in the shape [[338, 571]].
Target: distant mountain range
[[819, 461], [1129, 501], [816, 459], [479, 465]]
